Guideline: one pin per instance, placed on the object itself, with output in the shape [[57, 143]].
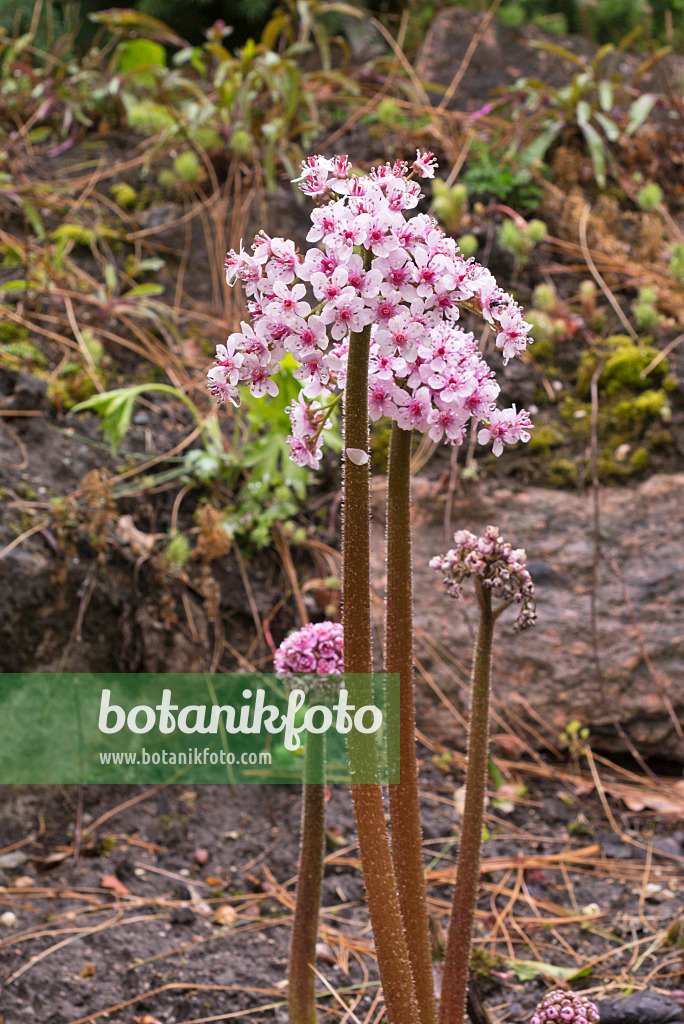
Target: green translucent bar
[[193, 728]]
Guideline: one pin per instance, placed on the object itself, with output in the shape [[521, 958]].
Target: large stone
[[548, 675]]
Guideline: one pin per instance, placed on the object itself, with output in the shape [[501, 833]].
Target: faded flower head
[[560, 1007], [315, 649], [500, 568], [373, 263]]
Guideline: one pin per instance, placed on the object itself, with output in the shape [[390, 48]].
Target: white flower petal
[[357, 456]]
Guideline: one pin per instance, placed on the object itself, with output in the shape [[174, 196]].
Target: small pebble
[[13, 859], [182, 915], [201, 857], [8, 919]]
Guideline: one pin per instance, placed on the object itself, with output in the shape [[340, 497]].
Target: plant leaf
[[143, 289], [139, 53], [526, 970], [583, 113], [596, 152], [610, 128], [116, 410], [639, 111], [605, 95], [603, 52], [537, 149], [125, 21], [558, 51]]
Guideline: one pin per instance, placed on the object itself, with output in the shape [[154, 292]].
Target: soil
[[129, 928]]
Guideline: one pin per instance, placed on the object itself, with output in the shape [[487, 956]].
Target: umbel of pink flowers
[[372, 264], [500, 567]]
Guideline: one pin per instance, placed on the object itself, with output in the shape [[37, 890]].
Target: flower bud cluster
[[315, 648], [560, 1007], [372, 266], [500, 568]]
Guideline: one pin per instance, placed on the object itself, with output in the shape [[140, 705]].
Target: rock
[[13, 859], [650, 1006], [29, 392], [182, 915], [8, 919], [547, 676]]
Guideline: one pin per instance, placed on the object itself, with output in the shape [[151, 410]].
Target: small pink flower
[[425, 164]]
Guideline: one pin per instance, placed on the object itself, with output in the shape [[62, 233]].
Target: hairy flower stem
[[407, 838], [457, 958], [376, 859], [301, 999]]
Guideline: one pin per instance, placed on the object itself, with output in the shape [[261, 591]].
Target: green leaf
[[526, 970], [116, 410], [141, 290], [110, 277], [596, 152], [603, 52], [583, 113], [537, 149], [605, 95], [647, 64], [16, 285], [126, 21], [610, 128], [559, 51], [639, 111], [34, 218], [627, 40], [140, 53]]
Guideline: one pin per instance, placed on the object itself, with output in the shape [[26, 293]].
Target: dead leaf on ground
[[113, 883], [140, 543], [664, 803]]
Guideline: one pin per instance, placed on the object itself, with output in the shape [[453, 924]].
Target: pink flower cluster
[[560, 1007], [372, 266], [315, 648], [500, 568]]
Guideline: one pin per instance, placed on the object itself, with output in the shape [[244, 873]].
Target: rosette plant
[[370, 313]]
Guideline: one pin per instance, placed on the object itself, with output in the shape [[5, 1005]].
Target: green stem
[[407, 838], [301, 997], [457, 958], [376, 859]]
